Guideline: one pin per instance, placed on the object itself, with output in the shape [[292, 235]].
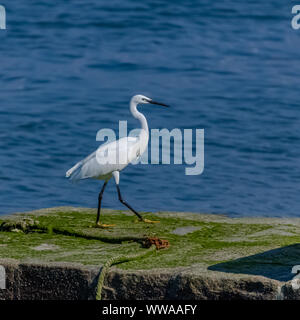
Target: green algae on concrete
[[212, 242]]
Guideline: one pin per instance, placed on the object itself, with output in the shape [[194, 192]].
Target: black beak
[[158, 103]]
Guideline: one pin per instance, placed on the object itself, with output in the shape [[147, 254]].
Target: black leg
[[99, 201], [127, 205]]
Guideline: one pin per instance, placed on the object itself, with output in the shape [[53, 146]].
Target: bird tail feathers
[[74, 173]]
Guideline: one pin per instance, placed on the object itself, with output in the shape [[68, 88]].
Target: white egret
[[110, 158]]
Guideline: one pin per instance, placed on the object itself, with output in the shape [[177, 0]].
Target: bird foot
[[103, 225], [149, 221]]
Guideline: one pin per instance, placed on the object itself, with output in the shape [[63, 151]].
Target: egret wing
[[109, 157]]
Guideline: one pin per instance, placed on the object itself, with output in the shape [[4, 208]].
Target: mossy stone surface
[[260, 246]]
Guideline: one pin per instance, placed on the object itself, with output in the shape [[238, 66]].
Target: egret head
[[140, 99]]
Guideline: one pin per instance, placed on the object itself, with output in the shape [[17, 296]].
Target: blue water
[[69, 68]]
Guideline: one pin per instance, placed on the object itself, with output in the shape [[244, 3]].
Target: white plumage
[[110, 158]]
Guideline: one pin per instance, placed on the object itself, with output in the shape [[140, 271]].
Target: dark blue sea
[[232, 68]]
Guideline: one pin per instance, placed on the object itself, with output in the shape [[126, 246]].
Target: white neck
[[139, 116]]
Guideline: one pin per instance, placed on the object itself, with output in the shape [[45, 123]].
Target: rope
[[9, 226], [117, 260], [151, 243]]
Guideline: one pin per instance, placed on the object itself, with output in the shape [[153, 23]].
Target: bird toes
[[150, 221], [103, 225]]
